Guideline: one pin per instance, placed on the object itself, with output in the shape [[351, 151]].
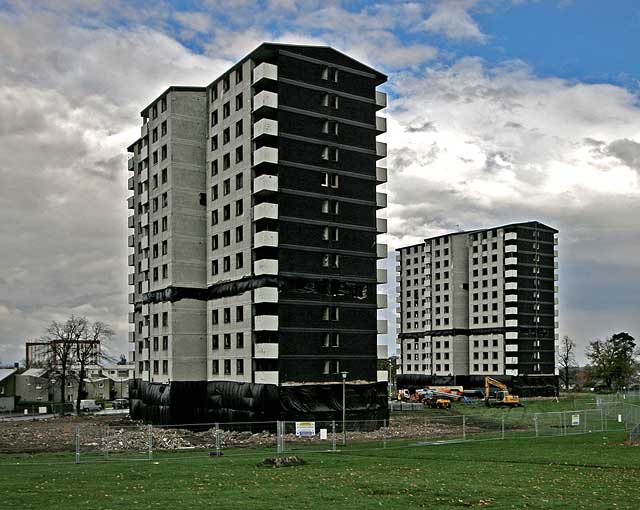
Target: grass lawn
[[588, 471]]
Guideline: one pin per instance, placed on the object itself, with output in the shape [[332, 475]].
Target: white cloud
[[451, 18]]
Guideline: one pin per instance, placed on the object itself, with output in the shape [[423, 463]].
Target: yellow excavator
[[503, 398]]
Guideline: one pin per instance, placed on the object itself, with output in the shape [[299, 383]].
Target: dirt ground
[[112, 434]]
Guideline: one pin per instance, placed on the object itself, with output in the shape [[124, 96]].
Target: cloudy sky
[[499, 111]]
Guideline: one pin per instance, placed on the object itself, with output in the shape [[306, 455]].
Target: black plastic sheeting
[[523, 386], [226, 401]]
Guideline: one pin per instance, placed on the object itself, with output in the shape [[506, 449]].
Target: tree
[[566, 360], [87, 351], [62, 338], [613, 359]]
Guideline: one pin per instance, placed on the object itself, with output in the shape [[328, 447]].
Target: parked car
[[89, 406], [120, 403]]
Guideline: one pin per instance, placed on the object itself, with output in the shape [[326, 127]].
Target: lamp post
[[344, 408]]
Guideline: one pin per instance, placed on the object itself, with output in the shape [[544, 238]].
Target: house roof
[[6, 372], [35, 372]]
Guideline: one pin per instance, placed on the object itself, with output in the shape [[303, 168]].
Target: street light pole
[[344, 408]]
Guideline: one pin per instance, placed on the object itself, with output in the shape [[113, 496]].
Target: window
[[330, 260], [165, 223], [330, 233], [154, 112], [239, 75], [227, 367], [165, 343], [156, 366], [239, 128], [226, 110], [226, 161], [330, 180], [215, 367], [225, 84], [226, 315], [165, 199], [239, 207], [214, 267], [227, 341], [165, 367], [226, 264], [331, 367], [165, 271], [238, 260], [163, 128], [239, 181], [330, 101], [330, 74], [214, 168], [239, 102], [155, 251], [155, 157], [154, 228], [330, 313], [239, 340], [164, 152], [226, 212], [163, 104], [164, 176], [215, 342], [330, 207], [214, 242], [214, 192], [214, 117], [214, 317], [156, 344], [239, 366], [214, 142], [226, 136], [238, 234], [226, 187], [331, 340], [154, 135], [165, 319], [330, 153], [239, 154], [214, 217], [330, 127], [226, 238], [214, 92]]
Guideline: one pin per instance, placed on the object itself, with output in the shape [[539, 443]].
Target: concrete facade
[[479, 303]]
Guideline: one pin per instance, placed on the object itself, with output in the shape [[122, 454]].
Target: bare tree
[[62, 338], [87, 352], [566, 360]]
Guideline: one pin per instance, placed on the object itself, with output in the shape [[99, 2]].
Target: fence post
[[333, 436], [535, 423], [150, 442], [384, 434], [218, 445], [77, 444], [503, 426], [601, 420], [464, 427]]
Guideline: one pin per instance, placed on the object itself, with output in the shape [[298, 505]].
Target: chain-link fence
[[90, 439]]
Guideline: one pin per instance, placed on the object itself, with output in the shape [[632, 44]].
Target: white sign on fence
[[305, 428], [575, 420], [619, 418], [42, 409], [323, 433]]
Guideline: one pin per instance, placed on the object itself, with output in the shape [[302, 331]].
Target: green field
[[586, 471]]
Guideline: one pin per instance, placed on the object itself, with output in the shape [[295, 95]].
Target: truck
[[89, 406]]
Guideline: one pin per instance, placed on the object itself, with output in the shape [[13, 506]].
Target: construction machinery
[[502, 398], [434, 402]]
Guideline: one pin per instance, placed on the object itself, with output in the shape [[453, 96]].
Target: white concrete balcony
[[399, 278], [265, 266], [381, 251], [131, 242], [131, 260], [381, 226], [131, 278], [381, 300], [265, 184], [144, 242], [264, 377], [381, 275], [130, 165], [381, 174], [511, 298], [267, 127], [132, 336], [131, 318], [265, 71], [511, 371], [131, 202], [265, 210], [130, 184], [555, 264], [381, 149], [510, 236], [265, 100], [381, 124], [144, 219], [131, 221], [266, 351], [382, 327], [144, 153], [511, 335], [144, 197], [265, 239], [382, 351], [381, 200], [381, 100], [511, 323], [382, 376], [145, 333], [511, 286], [144, 265], [511, 261], [145, 286], [511, 273], [144, 130], [144, 175], [268, 155], [266, 323], [555, 239], [511, 310], [265, 295], [132, 298], [512, 248], [555, 277], [555, 253], [511, 360], [145, 310]]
